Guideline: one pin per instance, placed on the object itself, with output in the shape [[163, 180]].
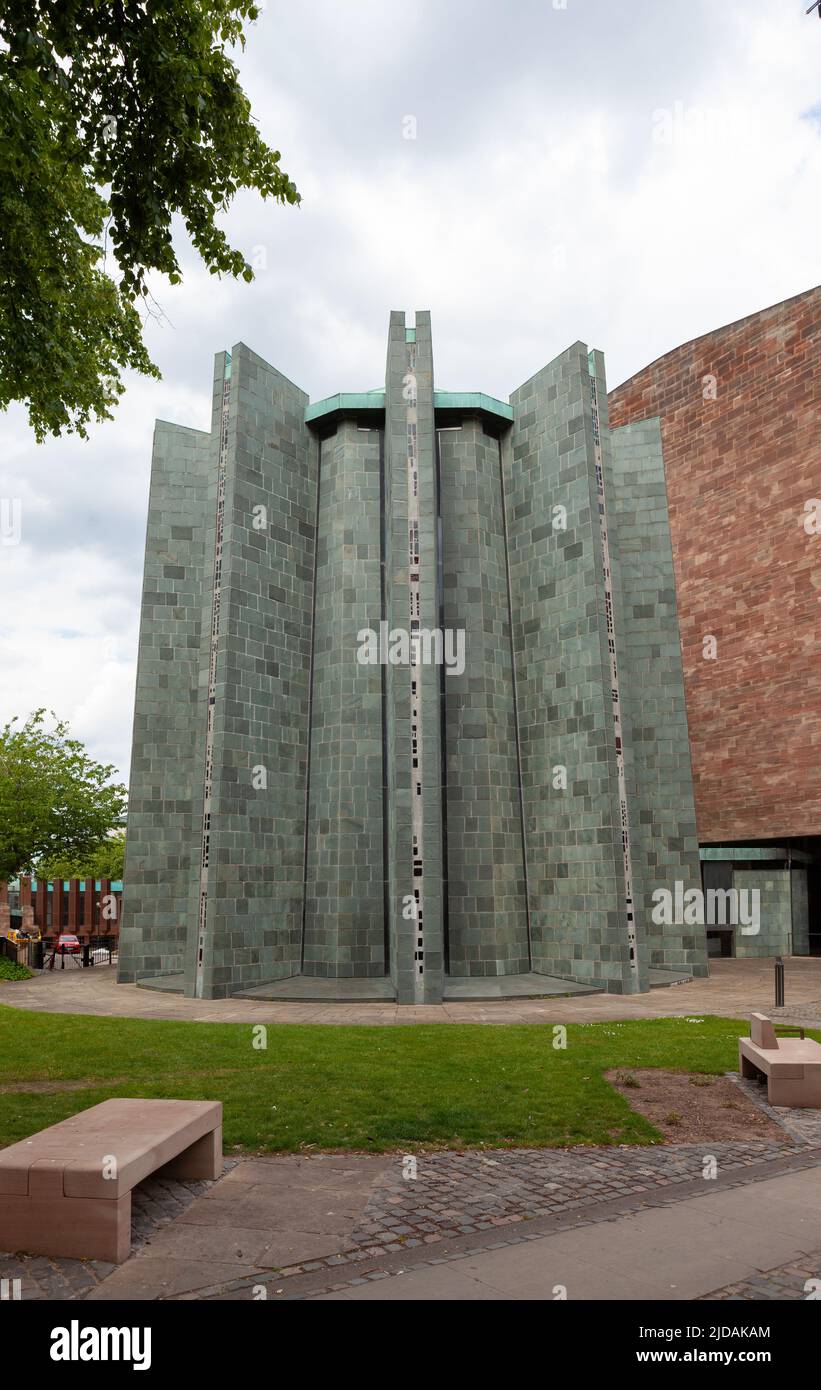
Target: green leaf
[[113, 118], [56, 802]]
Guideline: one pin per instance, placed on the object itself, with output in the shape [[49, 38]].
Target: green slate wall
[[163, 837], [487, 905], [578, 922], [775, 906], [665, 843], [344, 916], [255, 893]]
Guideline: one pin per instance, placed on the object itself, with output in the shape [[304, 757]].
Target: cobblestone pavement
[[458, 1194], [154, 1205], [799, 1280], [802, 1125]]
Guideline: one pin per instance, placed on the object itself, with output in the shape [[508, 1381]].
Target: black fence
[[50, 955], [8, 949]]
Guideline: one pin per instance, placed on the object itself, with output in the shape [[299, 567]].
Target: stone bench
[[67, 1190], [792, 1066]]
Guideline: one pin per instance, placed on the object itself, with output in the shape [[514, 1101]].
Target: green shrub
[[10, 970]]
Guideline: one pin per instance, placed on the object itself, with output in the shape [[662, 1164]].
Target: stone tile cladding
[[344, 909], [258, 823], [665, 846], [576, 881], [487, 906], [165, 803]]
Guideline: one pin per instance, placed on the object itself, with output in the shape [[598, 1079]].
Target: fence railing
[[50, 953]]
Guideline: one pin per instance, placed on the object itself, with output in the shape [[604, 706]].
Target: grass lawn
[[372, 1089]]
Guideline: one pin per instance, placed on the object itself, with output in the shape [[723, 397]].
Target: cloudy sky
[[629, 172]]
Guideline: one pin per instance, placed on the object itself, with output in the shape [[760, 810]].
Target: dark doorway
[[718, 874], [814, 907]]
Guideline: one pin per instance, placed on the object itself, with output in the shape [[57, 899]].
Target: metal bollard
[[86, 961], [779, 983]]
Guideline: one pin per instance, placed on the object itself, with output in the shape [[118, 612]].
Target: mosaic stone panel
[[164, 815], [487, 904], [665, 848], [254, 924], [774, 937], [344, 909], [573, 836]]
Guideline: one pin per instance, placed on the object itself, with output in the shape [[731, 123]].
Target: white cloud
[[68, 643], [535, 207]]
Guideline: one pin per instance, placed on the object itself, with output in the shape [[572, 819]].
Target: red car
[[68, 943]]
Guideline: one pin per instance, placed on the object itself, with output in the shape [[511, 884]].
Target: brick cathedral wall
[[740, 415]]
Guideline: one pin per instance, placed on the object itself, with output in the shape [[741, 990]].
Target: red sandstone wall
[[739, 471]]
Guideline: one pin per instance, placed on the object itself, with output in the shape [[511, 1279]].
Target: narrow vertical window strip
[[216, 594], [614, 685]]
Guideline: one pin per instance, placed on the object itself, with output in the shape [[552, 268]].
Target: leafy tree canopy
[[106, 861], [114, 115], [55, 801]]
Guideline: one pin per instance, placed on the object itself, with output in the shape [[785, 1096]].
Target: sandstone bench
[[792, 1066], [67, 1190]]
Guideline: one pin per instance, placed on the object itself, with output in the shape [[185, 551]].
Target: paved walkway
[[326, 1216], [665, 1221], [734, 989], [757, 1242]]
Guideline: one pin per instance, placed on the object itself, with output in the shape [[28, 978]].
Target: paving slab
[[147, 1277], [258, 1211], [263, 1215], [236, 1244], [529, 986], [442, 1283], [316, 989]]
